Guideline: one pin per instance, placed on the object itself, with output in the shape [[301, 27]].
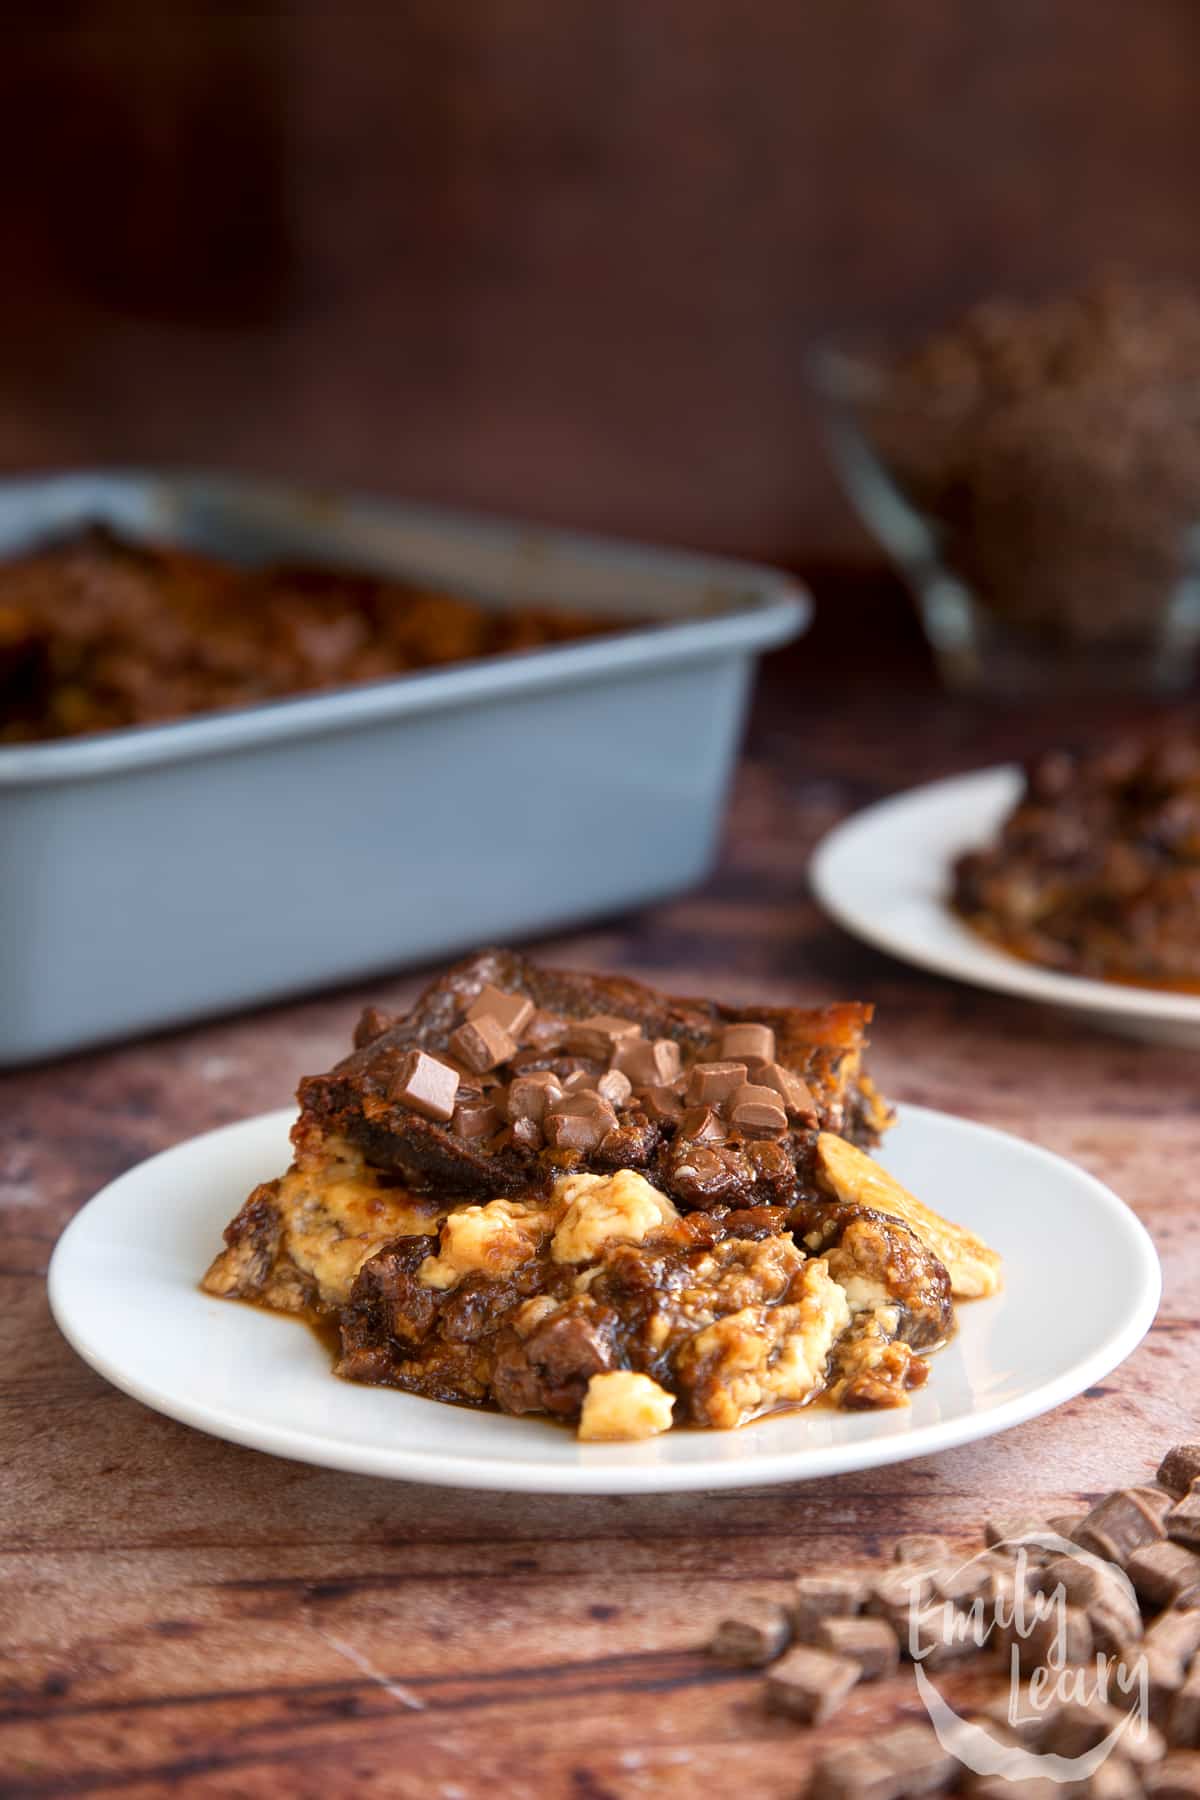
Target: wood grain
[[180, 1616], [560, 260]]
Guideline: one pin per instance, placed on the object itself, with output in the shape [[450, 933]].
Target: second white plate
[[123, 1288], [886, 874]]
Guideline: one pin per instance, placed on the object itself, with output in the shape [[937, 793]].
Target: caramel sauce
[[1146, 983]]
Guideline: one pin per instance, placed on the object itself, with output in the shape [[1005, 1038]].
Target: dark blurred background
[[557, 259]]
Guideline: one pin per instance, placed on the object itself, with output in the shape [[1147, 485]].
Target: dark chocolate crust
[[822, 1045]]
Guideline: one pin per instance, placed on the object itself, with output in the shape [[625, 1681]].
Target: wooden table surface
[[178, 1615]]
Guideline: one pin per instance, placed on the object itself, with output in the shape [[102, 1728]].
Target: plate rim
[[978, 964], [605, 1474]]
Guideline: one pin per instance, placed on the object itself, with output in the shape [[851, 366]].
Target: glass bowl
[[1051, 538]]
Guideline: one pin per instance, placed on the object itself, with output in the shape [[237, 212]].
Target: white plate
[[886, 876], [123, 1290]]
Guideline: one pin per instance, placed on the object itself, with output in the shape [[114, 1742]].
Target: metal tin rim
[[771, 608]]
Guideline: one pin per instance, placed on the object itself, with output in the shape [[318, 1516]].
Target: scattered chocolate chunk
[[1165, 1574], [937, 1635], [648, 1065], [600, 1035], [999, 1787], [1163, 1675], [1113, 1780], [1073, 1727], [1103, 1593], [530, 1095], [1179, 1468], [1063, 1634], [894, 1592], [921, 1547], [755, 1635], [662, 1105], [542, 1031], [840, 1594], [1065, 1525], [796, 1095], [1156, 1498], [425, 1085], [1009, 1532], [1176, 1633], [372, 1024], [962, 1583], [1083, 1579], [710, 1083], [615, 1087], [747, 1043], [756, 1109], [510, 1012], [1116, 1627], [476, 1118], [1183, 1720], [482, 1044], [810, 1684], [914, 1751], [1183, 1520], [871, 1643], [701, 1125], [1119, 1525], [1014, 1718], [1177, 1777], [855, 1772]]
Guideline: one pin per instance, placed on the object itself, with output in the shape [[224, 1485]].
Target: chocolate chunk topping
[[615, 1087], [578, 1121], [543, 1031], [795, 1094], [476, 1119], [747, 1043], [600, 1035], [710, 1083], [425, 1085], [530, 1095], [647, 1065], [372, 1024], [511, 1012], [526, 1134], [700, 1125], [757, 1109], [662, 1105], [482, 1043]]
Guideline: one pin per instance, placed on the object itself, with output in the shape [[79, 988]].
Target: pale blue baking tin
[[157, 875]]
